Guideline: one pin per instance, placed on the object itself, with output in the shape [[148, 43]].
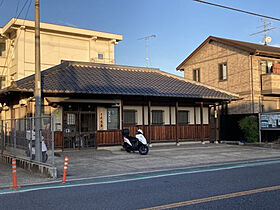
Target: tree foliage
[[249, 126]]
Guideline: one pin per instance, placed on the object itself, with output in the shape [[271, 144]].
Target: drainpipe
[[252, 84]]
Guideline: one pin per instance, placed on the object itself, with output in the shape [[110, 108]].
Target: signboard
[[270, 120], [101, 118]]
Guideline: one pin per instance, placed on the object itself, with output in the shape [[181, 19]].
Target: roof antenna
[[147, 46], [266, 39]]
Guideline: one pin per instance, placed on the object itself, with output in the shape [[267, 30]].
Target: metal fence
[[18, 138]]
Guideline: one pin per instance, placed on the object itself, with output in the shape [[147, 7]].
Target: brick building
[[251, 70], [248, 69]]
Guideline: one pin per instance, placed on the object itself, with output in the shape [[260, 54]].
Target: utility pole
[[147, 46], [37, 85]]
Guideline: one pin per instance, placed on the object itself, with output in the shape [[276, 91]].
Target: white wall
[[173, 121]]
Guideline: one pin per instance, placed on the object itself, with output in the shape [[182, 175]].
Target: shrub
[[249, 126]]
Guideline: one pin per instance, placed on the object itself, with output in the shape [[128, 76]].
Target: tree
[[249, 126]]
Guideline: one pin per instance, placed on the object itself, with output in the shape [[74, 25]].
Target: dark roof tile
[[91, 78]]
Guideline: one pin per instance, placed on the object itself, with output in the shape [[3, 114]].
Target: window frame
[[2, 51], [2, 81], [124, 119], [118, 118], [262, 61], [153, 118], [221, 71], [196, 74], [188, 117], [100, 56]]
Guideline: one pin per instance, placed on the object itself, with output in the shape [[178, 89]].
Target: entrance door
[[87, 129], [79, 129]]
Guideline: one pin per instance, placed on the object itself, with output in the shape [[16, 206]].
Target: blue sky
[[179, 25]]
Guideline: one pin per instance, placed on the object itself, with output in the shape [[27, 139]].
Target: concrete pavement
[[108, 161], [23, 176]]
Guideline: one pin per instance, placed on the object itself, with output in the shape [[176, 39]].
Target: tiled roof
[[248, 46], [252, 48], [92, 78]]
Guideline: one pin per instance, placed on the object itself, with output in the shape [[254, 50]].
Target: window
[[71, 119], [2, 82], [113, 117], [100, 56], [196, 75], [183, 117], [266, 66], [2, 47], [157, 117], [222, 71], [129, 117]]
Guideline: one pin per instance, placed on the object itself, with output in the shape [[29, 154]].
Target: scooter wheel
[[143, 150]]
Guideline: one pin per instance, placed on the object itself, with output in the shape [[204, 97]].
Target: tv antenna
[[267, 26], [147, 38]]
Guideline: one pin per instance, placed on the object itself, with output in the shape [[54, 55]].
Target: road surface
[[243, 185]]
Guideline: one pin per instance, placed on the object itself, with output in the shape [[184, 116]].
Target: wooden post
[[216, 124], [143, 117], [170, 124], [176, 120], [149, 121], [121, 114], [201, 122], [209, 122], [194, 116]]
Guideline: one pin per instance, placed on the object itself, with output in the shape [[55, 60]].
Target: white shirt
[[44, 147]]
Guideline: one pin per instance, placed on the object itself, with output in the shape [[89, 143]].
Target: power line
[[17, 7], [21, 10], [3, 70], [1, 3], [238, 10]]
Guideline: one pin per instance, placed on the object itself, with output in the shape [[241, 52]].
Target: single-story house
[[91, 103]]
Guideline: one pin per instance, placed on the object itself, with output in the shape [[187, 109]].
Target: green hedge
[[249, 126]]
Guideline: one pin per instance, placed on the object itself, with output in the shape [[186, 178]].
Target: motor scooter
[[137, 143], [30, 137]]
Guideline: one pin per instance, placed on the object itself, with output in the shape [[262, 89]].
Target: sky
[[180, 26]]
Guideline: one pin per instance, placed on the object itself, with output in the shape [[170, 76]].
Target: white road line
[[141, 178]]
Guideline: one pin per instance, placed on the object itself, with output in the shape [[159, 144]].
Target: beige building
[[17, 47], [250, 70]]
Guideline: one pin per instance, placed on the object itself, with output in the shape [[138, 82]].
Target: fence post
[[15, 137], [52, 140], [30, 144], [2, 137], [5, 132]]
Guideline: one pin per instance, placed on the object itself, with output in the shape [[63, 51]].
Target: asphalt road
[[254, 185]]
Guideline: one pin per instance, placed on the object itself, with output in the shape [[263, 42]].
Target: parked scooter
[[137, 143], [31, 146]]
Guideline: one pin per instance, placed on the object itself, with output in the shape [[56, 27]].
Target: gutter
[[252, 84]]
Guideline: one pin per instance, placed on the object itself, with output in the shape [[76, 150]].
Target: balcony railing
[[271, 84]]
